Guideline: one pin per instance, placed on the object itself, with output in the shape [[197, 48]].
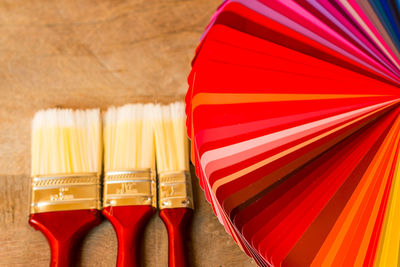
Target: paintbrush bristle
[[171, 141], [66, 141], [128, 138]]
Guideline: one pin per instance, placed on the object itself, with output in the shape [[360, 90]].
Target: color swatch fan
[[293, 113]]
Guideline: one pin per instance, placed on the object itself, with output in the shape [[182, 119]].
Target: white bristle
[[66, 141], [172, 150], [128, 138]]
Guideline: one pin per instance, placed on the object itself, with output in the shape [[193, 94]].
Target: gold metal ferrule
[[65, 192], [175, 190], [131, 187]]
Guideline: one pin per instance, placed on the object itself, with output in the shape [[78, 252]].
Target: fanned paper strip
[[293, 113]]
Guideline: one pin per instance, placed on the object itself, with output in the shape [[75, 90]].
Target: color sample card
[[293, 111]]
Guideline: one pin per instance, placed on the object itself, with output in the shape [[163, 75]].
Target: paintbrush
[[129, 195], [66, 166], [175, 197]]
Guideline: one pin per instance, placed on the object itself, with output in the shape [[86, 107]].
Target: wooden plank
[[94, 54]]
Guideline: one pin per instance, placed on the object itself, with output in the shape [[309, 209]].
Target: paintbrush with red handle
[[129, 195], [66, 164], [175, 197]]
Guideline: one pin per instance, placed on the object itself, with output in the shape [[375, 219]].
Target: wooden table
[[83, 53]]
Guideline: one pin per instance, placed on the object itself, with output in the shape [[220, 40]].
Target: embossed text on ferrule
[[132, 187], [65, 192], [175, 190]]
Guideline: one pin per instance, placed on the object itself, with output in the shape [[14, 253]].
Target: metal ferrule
[[65, 192], [131, 187], [175, 190]]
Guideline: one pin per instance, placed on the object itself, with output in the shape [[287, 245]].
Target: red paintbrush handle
[[176, 221], [64, 231], [128, 222]]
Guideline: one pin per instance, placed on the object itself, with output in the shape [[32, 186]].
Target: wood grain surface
[[88, 53]]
